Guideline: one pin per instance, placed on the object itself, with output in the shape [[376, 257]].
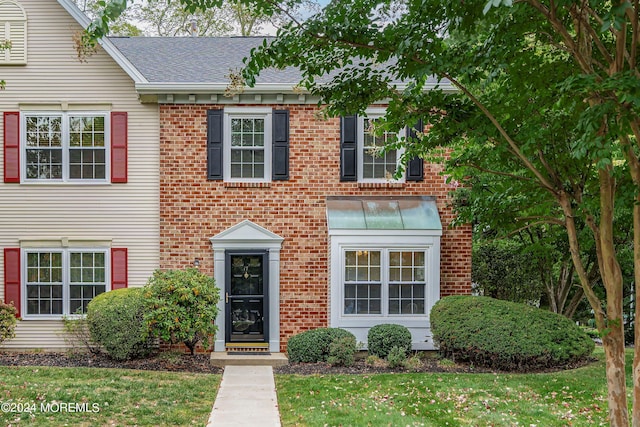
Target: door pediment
[[246, 233]]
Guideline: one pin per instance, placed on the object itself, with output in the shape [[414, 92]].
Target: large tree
[[540, 82]]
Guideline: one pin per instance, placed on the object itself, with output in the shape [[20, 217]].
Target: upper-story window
[[376, 164], [65, 147], [364, 153], [249, 146]]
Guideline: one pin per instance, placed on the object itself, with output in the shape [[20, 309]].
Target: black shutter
[[214, 144], [348, 148], [280, 154], [415, 168]]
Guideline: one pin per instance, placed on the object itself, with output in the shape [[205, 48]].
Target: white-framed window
[[65, 147], [247, 144], [384, 281], [373, 164], [59, 282]]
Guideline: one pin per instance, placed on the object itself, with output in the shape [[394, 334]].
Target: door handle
[[226, 297]]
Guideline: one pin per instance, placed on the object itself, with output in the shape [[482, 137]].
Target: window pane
[[374, 307], [32, 292], [350, 258], [259, 171], [75, 292], [394, 307], [99, 259]]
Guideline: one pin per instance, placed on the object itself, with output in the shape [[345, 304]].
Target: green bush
[[7, 321], [382, 338], [342, 351], [506, 335], [314, 345], [116, 322], [181, 306], [77, 335], [397, 357]]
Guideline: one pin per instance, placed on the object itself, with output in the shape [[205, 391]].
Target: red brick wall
[[193, 209]]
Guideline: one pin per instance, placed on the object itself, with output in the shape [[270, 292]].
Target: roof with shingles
[[195, 59]]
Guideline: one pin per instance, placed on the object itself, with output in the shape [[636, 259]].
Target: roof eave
[[155, 88], [106, 44]]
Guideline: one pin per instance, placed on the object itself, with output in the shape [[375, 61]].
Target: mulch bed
[[175, 363], [200, 364]]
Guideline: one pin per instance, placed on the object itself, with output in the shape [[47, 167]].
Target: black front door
[[246, 296]]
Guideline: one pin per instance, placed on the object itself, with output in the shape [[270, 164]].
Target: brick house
[[300, 225]]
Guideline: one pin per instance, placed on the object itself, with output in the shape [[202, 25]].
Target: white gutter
[[106, 44]]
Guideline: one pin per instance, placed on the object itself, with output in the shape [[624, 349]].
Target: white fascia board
[[204, 88], [159, 88], [106, 44]]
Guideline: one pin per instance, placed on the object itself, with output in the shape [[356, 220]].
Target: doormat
[[249, 353]]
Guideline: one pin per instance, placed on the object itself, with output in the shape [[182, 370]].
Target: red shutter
[[12, 277], [11, 146], [119, 268], [119, 137]]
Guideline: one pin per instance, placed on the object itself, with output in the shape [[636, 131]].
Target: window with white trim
[[65, 146], [384, 282], [63, 281], [247, 144], [374, 164]]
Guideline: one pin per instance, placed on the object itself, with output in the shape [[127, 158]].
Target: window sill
[[381, 184], [247, 184]]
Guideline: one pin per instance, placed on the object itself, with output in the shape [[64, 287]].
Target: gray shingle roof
[[195, 59]]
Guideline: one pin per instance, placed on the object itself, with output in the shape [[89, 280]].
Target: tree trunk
[[613, 339], [636, 345], [611, 328], [634, 166], [570, 309]]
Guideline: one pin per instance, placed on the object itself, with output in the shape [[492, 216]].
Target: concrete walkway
[[247, 397]]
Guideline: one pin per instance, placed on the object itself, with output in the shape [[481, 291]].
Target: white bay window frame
[[427, 241], [66, 147]]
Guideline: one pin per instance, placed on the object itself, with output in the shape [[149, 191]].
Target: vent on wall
[[13, 28]]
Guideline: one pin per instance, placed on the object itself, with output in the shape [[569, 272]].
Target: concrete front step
[[222, 359]]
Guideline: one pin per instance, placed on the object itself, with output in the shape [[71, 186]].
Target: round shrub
[[314, 345], [342, 351], [506, 335], [116, 322], [182, 305], [382, 338], [7, 321]]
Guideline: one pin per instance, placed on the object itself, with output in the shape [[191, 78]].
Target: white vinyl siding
[[125, 215], [13, 28]]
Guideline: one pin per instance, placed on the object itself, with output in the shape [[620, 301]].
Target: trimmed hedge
[[506, 335], [314, 345], [116, 322], [382, 338]]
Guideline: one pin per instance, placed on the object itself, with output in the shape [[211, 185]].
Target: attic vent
[[13, 28]]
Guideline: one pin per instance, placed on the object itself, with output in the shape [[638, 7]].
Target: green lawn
[[99, 397], [569, 398]]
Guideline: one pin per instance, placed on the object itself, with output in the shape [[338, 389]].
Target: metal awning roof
[[383, 213]]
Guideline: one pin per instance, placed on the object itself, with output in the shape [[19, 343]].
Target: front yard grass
[[569, 398], [46, 396]]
